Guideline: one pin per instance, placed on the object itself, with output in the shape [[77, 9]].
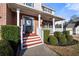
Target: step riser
[[32, 46], [31, 37], [31, 41]]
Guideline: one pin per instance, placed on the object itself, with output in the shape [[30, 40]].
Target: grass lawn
[[72, 50]]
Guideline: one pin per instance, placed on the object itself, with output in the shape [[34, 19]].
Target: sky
[[65, 10]]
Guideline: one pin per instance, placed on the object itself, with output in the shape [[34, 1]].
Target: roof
[[59, 17], [76, 20], [70, 25], [32, 11], [48, 7]]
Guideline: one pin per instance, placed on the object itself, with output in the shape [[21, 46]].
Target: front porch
[[58, 26], [40, 20]]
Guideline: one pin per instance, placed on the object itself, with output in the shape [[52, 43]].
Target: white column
[[18, 16], [53, 24], [62, 25], [48, 25], [39, 20], [21, 34], [39, 31]]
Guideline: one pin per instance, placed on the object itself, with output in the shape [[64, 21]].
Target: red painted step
[[31, 38], [31, 44], [31, 41]]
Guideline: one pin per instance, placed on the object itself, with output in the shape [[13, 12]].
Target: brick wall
[[11, 17], [3, 13], [6, 15]]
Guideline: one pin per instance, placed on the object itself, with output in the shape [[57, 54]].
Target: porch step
[[32, 45], [32, 34], [31, 41], [31, 37]]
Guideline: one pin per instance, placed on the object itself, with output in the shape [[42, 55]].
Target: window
[[58, 25], [46, 9], [50, 24], [29, 4]]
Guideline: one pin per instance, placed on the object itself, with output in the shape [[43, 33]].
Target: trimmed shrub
[[5, 48], [11, 33], [57, 34], [53, 40], [66, 33], [69, 39], [63, 40], [46, 35]]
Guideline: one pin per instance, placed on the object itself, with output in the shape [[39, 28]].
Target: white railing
[[21, 34], [59, 29], [40, 33], [51, 30]]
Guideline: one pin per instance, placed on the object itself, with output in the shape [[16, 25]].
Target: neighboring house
[[70, 28], [33, 18], [73, 26]]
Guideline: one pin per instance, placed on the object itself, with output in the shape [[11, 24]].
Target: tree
[[74, 18]]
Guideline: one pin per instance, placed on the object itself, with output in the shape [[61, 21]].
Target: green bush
[[66, 33], [46, 35], [69, 39], [53, 40], [5, 48], [63, 40], [11, 33], [57, 34]]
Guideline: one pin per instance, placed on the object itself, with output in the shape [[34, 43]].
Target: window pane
[[46, 9], [30, 4]]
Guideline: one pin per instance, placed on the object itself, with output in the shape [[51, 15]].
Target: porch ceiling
[[32, 12]]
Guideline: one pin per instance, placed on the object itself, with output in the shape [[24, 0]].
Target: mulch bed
[[65, 50]]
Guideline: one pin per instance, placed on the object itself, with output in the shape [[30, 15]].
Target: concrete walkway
[[41, 50]]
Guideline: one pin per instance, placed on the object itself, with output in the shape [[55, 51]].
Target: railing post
[[21, 34], [18, 16], [39, 20], [53, 24], [62, 25]]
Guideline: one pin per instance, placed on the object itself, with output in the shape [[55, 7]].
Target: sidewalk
[[40, 50]]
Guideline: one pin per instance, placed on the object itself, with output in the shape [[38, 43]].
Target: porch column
[[39, 20], [62, 25], [18, 16], [53, 24]]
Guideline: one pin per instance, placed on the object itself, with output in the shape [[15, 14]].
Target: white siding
[[38, 6], [70, 30], [77, 30]]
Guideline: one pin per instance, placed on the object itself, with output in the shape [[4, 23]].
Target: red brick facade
[[8, 17], [3, 13]]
